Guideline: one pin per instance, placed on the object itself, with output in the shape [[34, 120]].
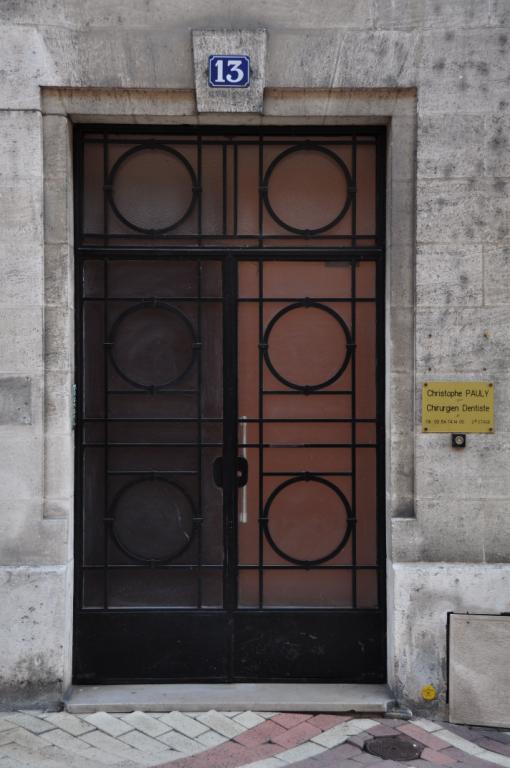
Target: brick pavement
[[33, 739]]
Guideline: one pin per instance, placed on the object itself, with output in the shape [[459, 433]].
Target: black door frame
[[239, 620]]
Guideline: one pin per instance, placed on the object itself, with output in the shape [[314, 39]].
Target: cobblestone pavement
[[33, 739]]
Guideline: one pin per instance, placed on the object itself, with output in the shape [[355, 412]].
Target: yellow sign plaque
[[457, 406]]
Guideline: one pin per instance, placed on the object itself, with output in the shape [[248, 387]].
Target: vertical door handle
[[242, 473]]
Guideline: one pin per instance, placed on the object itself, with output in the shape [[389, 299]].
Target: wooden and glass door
[[230, 436]]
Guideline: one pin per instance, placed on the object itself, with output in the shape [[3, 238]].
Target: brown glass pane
[[307, 589]]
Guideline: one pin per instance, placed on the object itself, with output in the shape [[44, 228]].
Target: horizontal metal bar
[[158, 566], [110, 444], [150, 472], [315, 253], [300, 473], [308, 393], [231, 238], [318, 299], [153, 393], [167, 299], [307, 421], [140, 420], [307, 445]]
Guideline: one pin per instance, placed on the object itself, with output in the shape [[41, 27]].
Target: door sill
[[261, 697]]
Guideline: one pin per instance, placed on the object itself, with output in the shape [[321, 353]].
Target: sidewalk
[[33, 739]]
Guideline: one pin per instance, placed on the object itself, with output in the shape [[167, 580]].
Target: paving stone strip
[[33, 739]]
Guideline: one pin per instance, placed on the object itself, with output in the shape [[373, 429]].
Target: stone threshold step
[[261, 697]]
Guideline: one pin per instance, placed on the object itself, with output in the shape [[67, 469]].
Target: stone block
[[58, 402], [58, 272], [21, 461], [462, 210], [21, 340], [496, 273], [447, 530], [428, 14], [451, 148], [500, 13], [401, 475], [388, 61], [22, 145], [402, 339], [24, 65], [423, 595], [58, 339], [479, 670], [496, 532], [497, 147], [57, 227], [22, 269], [59, 475], [57, 147], [27, 539], [401, 398], [21, 211], [449, 275], [15, 400], [307, 58], [401, 268], [230, 41], [402, 213], [402, 147], [467, 342], [33, 639], [405, 540], [480, 471]]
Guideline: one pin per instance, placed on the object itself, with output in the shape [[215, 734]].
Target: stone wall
[[449, 539]]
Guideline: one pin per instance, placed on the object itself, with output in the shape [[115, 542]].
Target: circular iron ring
[[130, 552], [307, 303], [138, 308], [307, 146], [308, 478], [109, 187]]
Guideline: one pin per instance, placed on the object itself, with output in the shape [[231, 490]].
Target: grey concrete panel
[[429, 14], [480, 670], [497, 144], [15, 400], [58, 353], [21, 210], [249, 42], [449, 275], [500, 13], [24, 64], [57, 275], [58, 401], [21, 144], [389, 60], [481, 342], [59, 475]]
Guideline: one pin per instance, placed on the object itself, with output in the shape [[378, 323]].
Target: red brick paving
[[294, 736], [261, 733], [495, 746], [324, 722], [291, 719], [428, 739], [438, 758]]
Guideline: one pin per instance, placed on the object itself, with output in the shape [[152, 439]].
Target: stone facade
[[437, 73]]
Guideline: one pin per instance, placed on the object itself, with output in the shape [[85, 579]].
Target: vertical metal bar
[[199, 180], [199, 436], [261, 433], [105, 200], [355, 191], [261, 179], [224, 165], [106, 523], [353, 433], [236, 187]]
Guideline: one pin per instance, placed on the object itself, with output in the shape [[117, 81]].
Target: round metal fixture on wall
[[152, 345], [345, 180], [176, 174], [153, 519], [330, 379], [343, 537]]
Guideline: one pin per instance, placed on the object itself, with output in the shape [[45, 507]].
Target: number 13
[[235, 73]]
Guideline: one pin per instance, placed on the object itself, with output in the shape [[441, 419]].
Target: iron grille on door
[[230, 431]]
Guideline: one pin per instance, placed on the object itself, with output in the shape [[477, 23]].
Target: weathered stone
[[21, 207], [423, 597], [57, 147], [497, 145], [27, 539], [462, 210], [33, 640], [449, 276], [496, 263], [57, 275], [428, 14], [20, 468], [58, 335], [229, 42], [451, 147], [496, 531], [21, 145], [59, 475], [21, 340], [22, 274], [482, 343], [15, 400], [477, 472]]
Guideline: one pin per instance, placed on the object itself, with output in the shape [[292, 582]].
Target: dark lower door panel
[[152, 646], [329, 646]]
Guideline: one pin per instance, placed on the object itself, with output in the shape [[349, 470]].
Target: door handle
[[241, 471]]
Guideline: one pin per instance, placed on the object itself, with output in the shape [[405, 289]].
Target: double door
[[229, 469]]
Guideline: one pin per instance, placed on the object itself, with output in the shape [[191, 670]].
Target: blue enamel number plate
[[229, 71]]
